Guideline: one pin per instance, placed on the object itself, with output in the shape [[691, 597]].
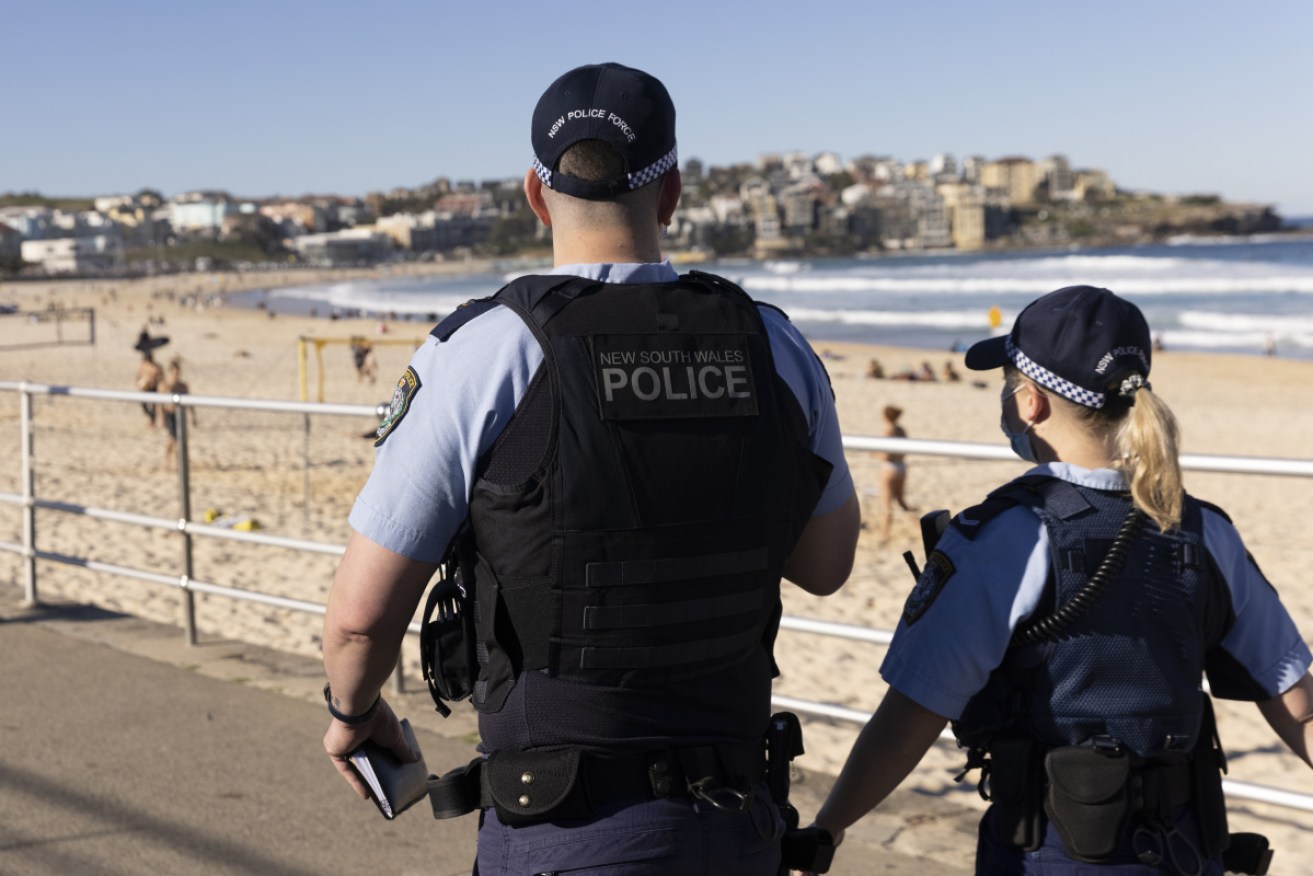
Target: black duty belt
[[527, 787]]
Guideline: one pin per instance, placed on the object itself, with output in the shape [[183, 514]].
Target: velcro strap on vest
[[676, 568], [610, 617]]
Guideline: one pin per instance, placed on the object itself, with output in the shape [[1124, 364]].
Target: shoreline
[[938, 321]]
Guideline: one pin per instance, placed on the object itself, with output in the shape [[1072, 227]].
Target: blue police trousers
[[996, 858], [642, 838]]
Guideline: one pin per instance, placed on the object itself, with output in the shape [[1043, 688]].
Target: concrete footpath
[[125, 751]]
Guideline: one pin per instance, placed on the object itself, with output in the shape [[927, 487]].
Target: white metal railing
[[188, 529]]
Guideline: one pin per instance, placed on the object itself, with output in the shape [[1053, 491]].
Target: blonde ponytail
[[1147, 443]]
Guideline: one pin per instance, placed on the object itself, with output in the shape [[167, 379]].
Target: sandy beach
[[252, 466]]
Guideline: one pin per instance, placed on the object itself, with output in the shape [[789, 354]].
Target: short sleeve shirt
[[468, 389], [947, 655]]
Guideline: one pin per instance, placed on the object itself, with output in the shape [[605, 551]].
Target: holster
[[1248, 853], [1016, 789], [811, 848], [1209, 763], [447, 639], [1088, 799]]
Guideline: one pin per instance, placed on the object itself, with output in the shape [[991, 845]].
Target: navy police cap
[[1081, 342], [624, 107]]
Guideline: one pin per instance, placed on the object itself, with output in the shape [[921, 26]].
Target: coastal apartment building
[[75, 255], [1018, 177], [965, 206]]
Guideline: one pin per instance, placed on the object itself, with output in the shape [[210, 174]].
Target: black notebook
[[394, 785]]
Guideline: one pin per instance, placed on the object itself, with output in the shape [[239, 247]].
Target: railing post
[[29, 497], [305, 472], [184, 511]]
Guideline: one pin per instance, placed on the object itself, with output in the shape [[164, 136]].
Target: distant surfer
[[149, 372]]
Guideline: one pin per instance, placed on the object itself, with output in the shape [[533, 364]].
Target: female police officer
[[1065, 624]]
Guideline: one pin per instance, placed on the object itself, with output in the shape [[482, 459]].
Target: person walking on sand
[[1065, 626], [893, 473], [174, 385], [362, 354], [149, 376], [622, 462]]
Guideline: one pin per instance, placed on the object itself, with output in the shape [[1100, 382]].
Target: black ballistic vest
[[630, 524], [1131, 666]]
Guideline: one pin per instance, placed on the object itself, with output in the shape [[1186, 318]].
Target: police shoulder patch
[[938, 569], [407, 386]]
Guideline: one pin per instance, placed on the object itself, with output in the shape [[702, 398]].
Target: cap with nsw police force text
[[1080, 341], [621, 106]]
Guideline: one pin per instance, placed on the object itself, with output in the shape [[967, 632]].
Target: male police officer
[[625, 462]]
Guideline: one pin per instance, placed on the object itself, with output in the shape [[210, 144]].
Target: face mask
[[1020, 441]]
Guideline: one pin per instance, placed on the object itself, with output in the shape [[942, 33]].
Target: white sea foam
[[1232, 296], [1238, 340], [1275, 324], [370, 298], [1029, 285], [944, 319]]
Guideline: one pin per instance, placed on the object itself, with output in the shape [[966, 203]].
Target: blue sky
[[272, 97]]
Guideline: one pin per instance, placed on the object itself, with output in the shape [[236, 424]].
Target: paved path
[[125, 751]]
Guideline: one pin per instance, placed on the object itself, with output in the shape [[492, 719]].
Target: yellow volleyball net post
[[305, 342], [303, 345]]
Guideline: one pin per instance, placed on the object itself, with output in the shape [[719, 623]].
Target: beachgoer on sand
[[362, 355], [622, 462], [149, 374], [1065, 625], [174, 385], [893, 472]]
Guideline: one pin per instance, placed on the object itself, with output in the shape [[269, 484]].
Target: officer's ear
[[671, 187], [533, 193], [1035, 405]]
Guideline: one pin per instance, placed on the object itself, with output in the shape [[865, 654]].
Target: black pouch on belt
[[528, 787], [1016, 788], [1088, 799], [447, 640]]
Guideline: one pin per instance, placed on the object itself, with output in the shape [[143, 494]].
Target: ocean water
[[1227, 295]]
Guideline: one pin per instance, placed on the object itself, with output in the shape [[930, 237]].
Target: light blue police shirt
[[470, 385], [946, 657]]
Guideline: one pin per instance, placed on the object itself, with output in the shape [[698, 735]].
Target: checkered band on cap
[[651, 173], [655, 170], [544, 173], [1060, 385]]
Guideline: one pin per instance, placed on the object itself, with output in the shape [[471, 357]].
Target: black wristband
[[353, 720]]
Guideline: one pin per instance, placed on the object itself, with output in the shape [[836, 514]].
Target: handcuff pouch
[[528, 787]]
